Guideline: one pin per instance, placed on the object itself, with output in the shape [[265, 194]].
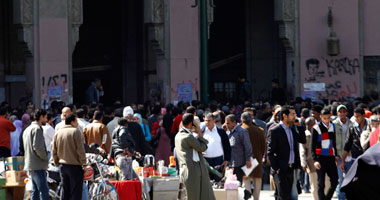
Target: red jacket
[[175, 127], [6, 127]]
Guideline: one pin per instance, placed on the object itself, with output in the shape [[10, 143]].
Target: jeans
[[40, 186], [294, 192], [85, 192], [125, 165], [347, 165], [341, 195], [306, 186]]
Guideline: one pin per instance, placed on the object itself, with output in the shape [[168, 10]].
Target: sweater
[[323, 142]]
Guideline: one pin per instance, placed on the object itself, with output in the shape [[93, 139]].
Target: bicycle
[[99, 188]]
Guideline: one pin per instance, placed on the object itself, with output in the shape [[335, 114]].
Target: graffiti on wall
[[54, 88], [340, 75]]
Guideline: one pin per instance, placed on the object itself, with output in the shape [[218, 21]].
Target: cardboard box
[[165, 188], [15, 177], [222, 194], [15, 163], [165, 195], [166, 184]]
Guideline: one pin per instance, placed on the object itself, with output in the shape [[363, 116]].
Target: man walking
[[257, 138], [352, 143], [69, 154], [193, 172], [342, 125], [283, 151], [241, 147], [36, 158], [323, 145]]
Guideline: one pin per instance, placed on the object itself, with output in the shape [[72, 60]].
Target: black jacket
[[353, 143], [225, 143], [279, 150], [121, 140]]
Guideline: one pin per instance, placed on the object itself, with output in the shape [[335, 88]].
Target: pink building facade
[[341, 76]]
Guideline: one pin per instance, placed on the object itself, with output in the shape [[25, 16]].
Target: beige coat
[[305, 153], [68, 146], [93, 133], [339, 135], [193, 174]]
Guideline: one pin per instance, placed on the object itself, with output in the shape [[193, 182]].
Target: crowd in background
[[153, 127]]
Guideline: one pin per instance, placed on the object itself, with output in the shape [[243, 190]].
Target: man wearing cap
[[365, 137], [342, 124]]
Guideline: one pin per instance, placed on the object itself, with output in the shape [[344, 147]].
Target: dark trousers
[[284, 183], [239, 174], [215, 161], [327, 167], [5, 152], [72, 181]]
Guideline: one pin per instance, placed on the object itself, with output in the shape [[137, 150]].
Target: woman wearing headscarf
[[15, 142], [144, 127]]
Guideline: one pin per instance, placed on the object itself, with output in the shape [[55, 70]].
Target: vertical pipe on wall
[[361, 46], [204, 51]]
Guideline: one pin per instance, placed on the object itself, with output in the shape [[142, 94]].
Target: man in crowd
[[257, 138], [323, 145], [113, 124], [97, 132], [284, 156], [307, 162], [65, 111], [123, 150], [94, 91], [82, 122], [49, 133], [69, 154], [136, 131], [342, 125], [365, 136], [218, 152], [241, 147], [352, 144], [193, 172], [36, 158], [6, 127], [316, 112]]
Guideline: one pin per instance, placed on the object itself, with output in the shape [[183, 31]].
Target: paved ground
[[267, 194]]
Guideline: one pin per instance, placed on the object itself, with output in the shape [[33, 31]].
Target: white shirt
[[48, 135], [214, 146], [82, 123]]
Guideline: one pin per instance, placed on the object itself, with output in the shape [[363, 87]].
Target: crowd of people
[[304, 145]]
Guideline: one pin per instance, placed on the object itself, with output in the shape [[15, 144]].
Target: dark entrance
[[244, 42], [109, 49]]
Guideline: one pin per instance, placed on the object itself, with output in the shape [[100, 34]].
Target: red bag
[[128, 190]]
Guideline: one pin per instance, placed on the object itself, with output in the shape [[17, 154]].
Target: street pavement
[[269, 194]]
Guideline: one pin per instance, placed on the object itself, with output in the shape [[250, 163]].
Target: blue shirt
[[289, 135]]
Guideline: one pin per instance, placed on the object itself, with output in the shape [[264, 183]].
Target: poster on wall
[[185, 92]]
